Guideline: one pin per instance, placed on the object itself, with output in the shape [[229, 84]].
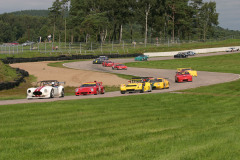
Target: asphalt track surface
[[203, 79]]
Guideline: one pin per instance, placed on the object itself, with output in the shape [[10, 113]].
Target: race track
[[203, 79]]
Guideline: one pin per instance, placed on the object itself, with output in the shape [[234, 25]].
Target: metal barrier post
[[80, 48], [45, 48]]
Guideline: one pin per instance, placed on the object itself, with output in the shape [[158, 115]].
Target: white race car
[[46, 89], [232, 49]]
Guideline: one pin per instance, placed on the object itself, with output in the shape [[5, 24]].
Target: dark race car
[[181, 55], [183, 76], [107, 63], [90, 88], [119, 66], [100, 60]]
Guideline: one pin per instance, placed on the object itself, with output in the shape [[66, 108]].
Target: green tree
[[208, 17]]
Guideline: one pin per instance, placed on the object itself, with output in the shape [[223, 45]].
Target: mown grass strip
[[154, 126], [229, 63]]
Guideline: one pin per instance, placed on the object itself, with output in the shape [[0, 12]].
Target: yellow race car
[[139, 84], [191, 72], [159, 83]]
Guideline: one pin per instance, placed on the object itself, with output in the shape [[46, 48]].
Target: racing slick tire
[[123, 92], [52, 94], [103, 91], [150, 89], [62, 93], [97, 92]]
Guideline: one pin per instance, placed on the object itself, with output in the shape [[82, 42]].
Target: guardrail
[[204, 50]]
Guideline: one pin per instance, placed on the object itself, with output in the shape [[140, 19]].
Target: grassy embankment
[[201, 125], [7, 73]]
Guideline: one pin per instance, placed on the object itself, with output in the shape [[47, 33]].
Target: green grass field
[[154, 126]]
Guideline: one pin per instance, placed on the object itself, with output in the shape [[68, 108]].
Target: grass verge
[[153, 126], [19, 92], [7, 73], [229, 63]]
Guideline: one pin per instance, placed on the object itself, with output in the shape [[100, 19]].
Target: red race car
[[119, 66], [183, 76], [90, 88], [107, 63]]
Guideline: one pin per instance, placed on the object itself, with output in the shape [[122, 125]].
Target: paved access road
[[203, 79]]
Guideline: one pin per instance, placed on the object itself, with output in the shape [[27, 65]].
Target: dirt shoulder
[[72, 77]]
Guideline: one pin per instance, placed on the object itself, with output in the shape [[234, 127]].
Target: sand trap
[[72, 77]]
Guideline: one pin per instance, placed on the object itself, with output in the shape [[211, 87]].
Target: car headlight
[[29, 91], [76, 90], [91, 89]]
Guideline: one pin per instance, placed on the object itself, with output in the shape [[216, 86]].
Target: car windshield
[[88, 85], [186, 69], [155, 80], [158, 80], [48, 83]]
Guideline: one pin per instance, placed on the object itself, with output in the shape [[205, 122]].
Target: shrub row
[[11, 60], [9, 85]]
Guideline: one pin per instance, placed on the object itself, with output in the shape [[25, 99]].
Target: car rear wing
[[63, 83], [142, 79], [180, 69]]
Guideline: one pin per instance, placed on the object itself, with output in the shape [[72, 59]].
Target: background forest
[[111, 20]]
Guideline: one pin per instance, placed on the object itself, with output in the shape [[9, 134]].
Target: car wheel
[[52, 94], [103, 91], [62, 93], [150, 89], [97, 92], [122, 92]]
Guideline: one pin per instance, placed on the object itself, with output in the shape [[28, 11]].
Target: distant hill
[[222, 32], [39, 13]]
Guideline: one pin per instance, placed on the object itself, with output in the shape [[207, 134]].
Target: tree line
[[111, 20]]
